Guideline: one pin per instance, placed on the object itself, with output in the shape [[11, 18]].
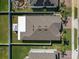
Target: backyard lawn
[[3, 52], [3, 29], [3, 5]]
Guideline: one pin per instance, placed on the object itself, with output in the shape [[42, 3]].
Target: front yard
[[62, 45]]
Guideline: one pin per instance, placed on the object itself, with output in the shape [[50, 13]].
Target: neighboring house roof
[[42, 54], [44, 3], [40, 27], [36, 3]]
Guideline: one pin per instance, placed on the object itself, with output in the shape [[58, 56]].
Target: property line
[[1, 44], [9, 32], [33, 44]]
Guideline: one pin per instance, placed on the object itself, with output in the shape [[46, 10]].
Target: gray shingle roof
[[37, 3], [42, 54], [42, 28]]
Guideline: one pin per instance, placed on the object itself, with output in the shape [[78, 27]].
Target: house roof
[[37, 3], [42, 54], [44, 3], [42, 27]]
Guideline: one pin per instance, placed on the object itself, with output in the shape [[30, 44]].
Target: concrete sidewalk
[[75, 54]]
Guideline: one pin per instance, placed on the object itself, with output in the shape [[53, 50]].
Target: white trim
[[42, 50], [21, 25]]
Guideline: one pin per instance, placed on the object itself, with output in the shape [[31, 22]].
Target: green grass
[[3, 29], [23, 10], [34, 10], [75, 38], [19, 52], [65, 11], [3, 5], [68, 37], [3, 52], [61, 46]]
